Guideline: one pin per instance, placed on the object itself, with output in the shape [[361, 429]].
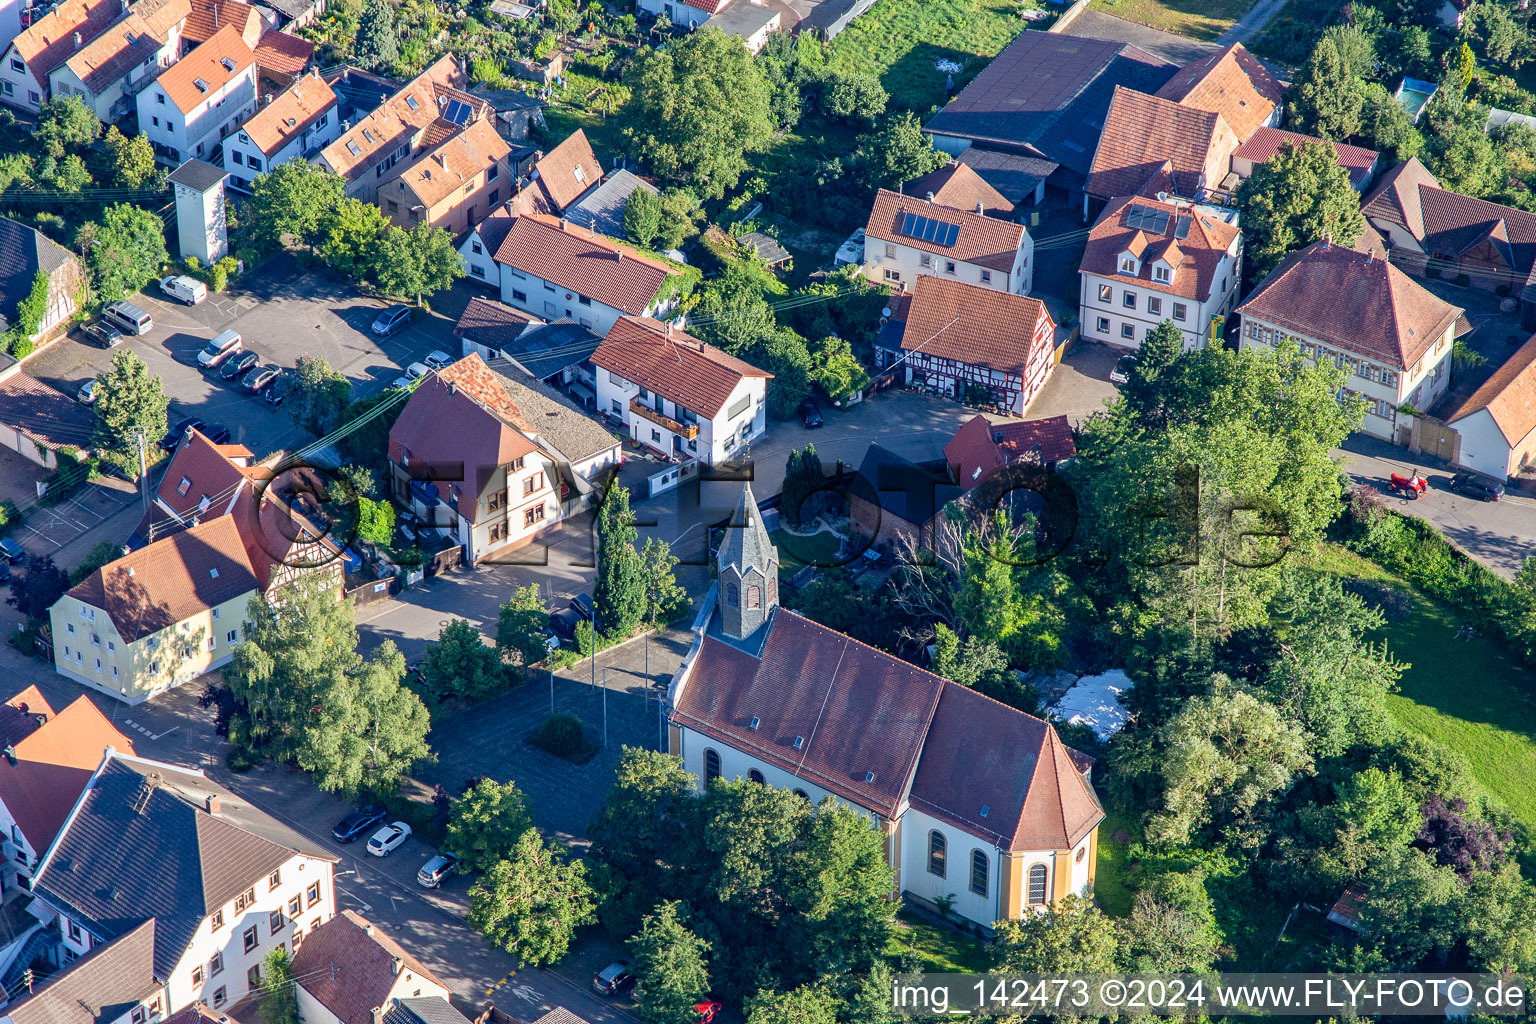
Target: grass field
[[944, 950], [1194, 19], [1290, 35], [602, 132]]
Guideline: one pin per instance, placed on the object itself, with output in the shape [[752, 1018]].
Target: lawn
[[1194, 19], [899, 40], [943, 950], [819, 549], [602, 132], [1111, 885], [1290, 35]]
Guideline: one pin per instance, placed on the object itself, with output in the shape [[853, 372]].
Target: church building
[[980, 803]]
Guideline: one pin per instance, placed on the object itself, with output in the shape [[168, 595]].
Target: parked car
[[260, 379], [103, 334], [1480, 487], [412, 374], [1121, 374], [437, 359], [220, 347], [12, 551], [617, 977], [393, 319], [235, 367], [128, 318], [217, 434], [356, 823], [184, 289], [563, 623], [706, 1011], [584, 606], [437, 871], [810, 413], [87, 392], [389, 838], [173, 436], [277, 390]]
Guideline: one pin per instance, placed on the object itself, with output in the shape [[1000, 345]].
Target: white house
[[1497, 424], [1393, 335], [907, 237], [1150, 260], [684, 13], [31, 54], [108, 70], [298, 121], [201, 99], [348, 969], [676, 395], [982, 806]]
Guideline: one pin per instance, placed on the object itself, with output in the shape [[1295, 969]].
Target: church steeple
[[748, 565]]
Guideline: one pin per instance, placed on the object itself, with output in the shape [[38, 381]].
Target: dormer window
[[1162, 272], [229, 65], [1128, 265]]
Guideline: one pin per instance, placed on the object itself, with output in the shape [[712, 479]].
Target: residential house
[[281, 58], [452, 185], [1044, 98], [33, 55], [1265, 144], [1230, 82], [981, 448], [907, 238], [1358, 311], [115, 983], [894, 500], [350, 972], [479, 248], [202, 98], [298, 121], [50, 755], [552, 269], [676, 395], [959, 187], [198, 882], [108, 70], [492, 460], [1496, 425], [293, 14], [37, 420], [956, 784], [420, 116], [25, 253], [1151, 260], [1430, 227], [208, 16], [1146, 137], [549, 352], [689, 14], [602, 209], [561, 177], [978, 345], [751, 22]]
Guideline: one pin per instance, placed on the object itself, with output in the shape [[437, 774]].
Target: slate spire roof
[[747, 544]]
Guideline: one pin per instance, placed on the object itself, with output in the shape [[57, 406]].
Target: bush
[[562, 735]]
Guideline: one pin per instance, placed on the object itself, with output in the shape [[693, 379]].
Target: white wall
[[197, 132], [1484, 449], [916, 878], [718, 439], [63, 82], [480, 266], [549, 301], [906, 261], [244, 161], [1141, 319], [17, 86]]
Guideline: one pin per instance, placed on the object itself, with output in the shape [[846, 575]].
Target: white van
[[185, 289], [128, 317], [223, 345]]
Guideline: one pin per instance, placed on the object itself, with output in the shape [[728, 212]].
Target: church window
[[732, 594], [803, 795], [937, 848], [754, 597], [979, 868], [773, 588], [711, 765], [1037, 884], [756, 776]]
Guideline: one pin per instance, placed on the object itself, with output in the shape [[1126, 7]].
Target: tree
[[351, 237], [698, 107], [642, 217], [133, 158], [520, 626], [1162, 345], [130, 403], [365, 730], [856, 97], [378, 44], [1460, 153], [665, 599], [1387, 126], [1071, 935], [800, 500], [980, 665], [375, 520], [417, 263], [486, 823], [643, 830], [783, 354], [1171, 928], [896, 151], [1498, 911], [1299, 197], [461, 662], [279, 1000], [839, 915], [123, 251], [1461, 841], [619, 594], [732, 313], [317, 394], [680, 218], [1503, 39], [1326, 99], [532, 903], [37, 587], [670, 964], [65, 123], [837, 370], [808, 1004], [293, 200], [1463, 67]]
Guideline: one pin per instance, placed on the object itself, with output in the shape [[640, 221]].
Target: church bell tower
[[748, 568]]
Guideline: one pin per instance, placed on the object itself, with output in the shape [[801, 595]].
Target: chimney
[[77, 34], [396, 963], [979, 207], [618, 255], [563, 224], [930, 197], [368, 929], [211, 804], [1370, 257], [378, 1015], [10, 753]]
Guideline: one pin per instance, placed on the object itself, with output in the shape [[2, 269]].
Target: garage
[[1498, 423]]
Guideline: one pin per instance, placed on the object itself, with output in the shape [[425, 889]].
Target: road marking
[[503, 981], [152, 735]]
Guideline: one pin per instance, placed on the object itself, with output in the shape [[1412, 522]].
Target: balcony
[[687, 431]]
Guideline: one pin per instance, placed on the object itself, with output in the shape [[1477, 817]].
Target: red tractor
[[1410, 487]]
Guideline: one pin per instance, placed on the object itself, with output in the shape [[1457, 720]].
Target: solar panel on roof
[[1181, 228], [457, 111], [929, 230], [1147, 218]]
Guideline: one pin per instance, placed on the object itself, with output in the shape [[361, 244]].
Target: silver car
[[437, 870]]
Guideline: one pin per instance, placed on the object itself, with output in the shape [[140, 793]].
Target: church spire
[[748, 566]]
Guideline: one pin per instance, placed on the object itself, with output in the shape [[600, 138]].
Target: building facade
[[192, 106], [110, 69], [454, 185], [907, 238], [300, 120]]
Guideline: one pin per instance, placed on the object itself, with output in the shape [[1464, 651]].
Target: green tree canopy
[[65, 123], [130, 404], [462, 662], [294, 199], [670, 964], [317, 394], [377, 46], [486, 823], [520, 626], [417, 263], [808, 1004], [351, 236], [1299, 197], [279, 1000], [1326, 98], [532, 903], [619, 594], [897, 150], [123, 251], [665, 598], [1071, 935], [642, 217], [133, 158]]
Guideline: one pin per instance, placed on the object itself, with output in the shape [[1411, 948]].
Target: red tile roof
[[568, 171], [673, 364], [984, 241], [981, 447], [1196, 258], [443, 172], [1509, 396], [219, 61], [1142, 133], [348, 964], [575, 258], [290, 113], [50, 41], [975, 325], [1230, 82], [283, 53], [47, 416], [208, 16], [23, 715], [1265, 144], [960, 187], [400, 119], [127, 43], [48, 769]]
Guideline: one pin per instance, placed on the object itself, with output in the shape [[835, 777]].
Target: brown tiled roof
[[1354, 301], [290, 112], [673, 364], [1143, 133], [1195, 258], [49, 417], [208, 16], [128, 43], [1265, 144], [348, 964], [1396, 199], [23, 715], [172, 579], [210, 473], [400, 118], [984, 241], [50, 41], [575, 258], [206, 64], [283, 53], [981, 447], [52, 766], [439, 174], [493, 230], [106, 983], [958, 186], [975, 325], [568, 171], [492, 324], [1230, 82], [1509, 395]]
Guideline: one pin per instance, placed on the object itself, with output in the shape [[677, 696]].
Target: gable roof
[[1230, 82], [42, 775], [1195, 257], [1143, 133], [192, 80], [424, 1010], [599, 268], [202, 480], [981, 447], [971, 324], [984, 241], [23, 714], [47, 416], [1015, 177], [443, 172], [1509, 396], [546, 349], [542, 414], [208, 16], [1353, 300], [129, 42], [100, 987], [672, 363], [958, 186], [364, 959], [1396, 199], [492, 324], [401, 118], [602, 209], [567, 172], [1265, 144], [290, 113], [911, 492], [50, 40], [1047, 94], [282, 53]]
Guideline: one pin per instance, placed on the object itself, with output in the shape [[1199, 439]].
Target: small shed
[[767, 248], [1346, 910], [1094, 701]]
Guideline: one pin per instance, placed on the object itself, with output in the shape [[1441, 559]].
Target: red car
[[706, 1011]]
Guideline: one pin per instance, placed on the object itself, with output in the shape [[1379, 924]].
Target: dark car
[[810, 413], [357, 823], [584, 606], [13, 552], [1122, 371], [217, 434], [236, 366], [613, 979], [260, 379], [173, 436], [277, 390], [1472, 486], [394, 318], [104, 334], [563, 623]]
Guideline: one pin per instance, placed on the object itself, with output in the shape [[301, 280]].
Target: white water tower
[[201, 219]]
